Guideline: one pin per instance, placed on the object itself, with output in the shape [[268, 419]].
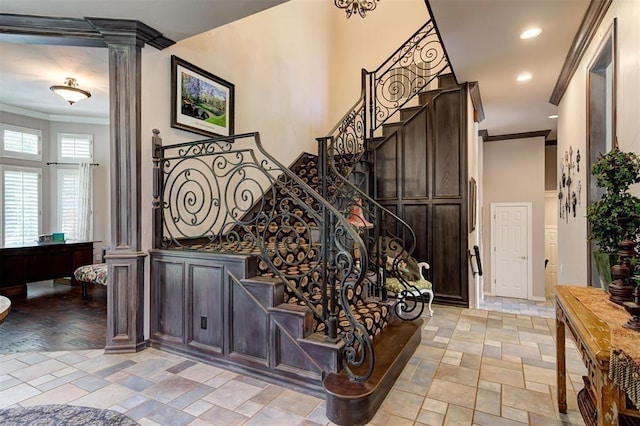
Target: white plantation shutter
[[21, 205], [74, 147], [20, 142], [69, 190], [75, 186]]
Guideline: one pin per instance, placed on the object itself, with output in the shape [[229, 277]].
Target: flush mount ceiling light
[[361, 7], [70, 91], [530, 33], [524, 77]]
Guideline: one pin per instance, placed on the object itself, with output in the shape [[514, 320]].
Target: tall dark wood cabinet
[[420, 173]]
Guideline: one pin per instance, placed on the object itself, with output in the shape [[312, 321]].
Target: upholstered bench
[[91, 274], [422, 286]]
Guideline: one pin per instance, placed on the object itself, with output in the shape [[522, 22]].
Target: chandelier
[[356, 6]]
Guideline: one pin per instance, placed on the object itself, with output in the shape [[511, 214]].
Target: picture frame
[[200, 101], [472, 204]]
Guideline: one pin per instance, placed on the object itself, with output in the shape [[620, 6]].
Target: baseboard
[[538, 298], [488, 293]]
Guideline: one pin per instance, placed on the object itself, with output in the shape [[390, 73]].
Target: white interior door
[[551, 253], [511, 249]]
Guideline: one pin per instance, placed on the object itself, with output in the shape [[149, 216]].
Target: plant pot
[[604, 262]]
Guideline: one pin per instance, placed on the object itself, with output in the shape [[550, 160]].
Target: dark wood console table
[[592, 336], [37, 262]]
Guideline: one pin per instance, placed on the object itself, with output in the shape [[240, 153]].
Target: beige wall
[[365, 43], [572, 236], [550, 167], [474, 146], [513, 171]]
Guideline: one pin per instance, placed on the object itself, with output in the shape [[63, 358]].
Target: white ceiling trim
[[54, 117]]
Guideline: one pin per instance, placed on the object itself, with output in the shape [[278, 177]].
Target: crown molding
[[474, 91], [535, 134], [91, 32], [54, 117], [590, 22]]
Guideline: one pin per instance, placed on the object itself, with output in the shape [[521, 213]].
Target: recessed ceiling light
[[524, 77], [553, 116], [530, 33]]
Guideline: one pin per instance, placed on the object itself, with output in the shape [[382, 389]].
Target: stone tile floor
[[545, 309], [473, 367]]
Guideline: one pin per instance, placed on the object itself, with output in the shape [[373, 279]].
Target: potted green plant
[[615, 172]]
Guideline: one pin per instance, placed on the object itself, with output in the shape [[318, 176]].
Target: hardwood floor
[[54, 317]]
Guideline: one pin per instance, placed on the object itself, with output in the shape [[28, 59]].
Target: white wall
[[572, 237], [513, 171]]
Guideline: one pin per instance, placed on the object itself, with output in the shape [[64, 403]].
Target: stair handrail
[[203, 192]]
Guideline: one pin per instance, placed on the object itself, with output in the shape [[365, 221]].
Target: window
[[75, 147], [20, 142], [68, 202], [21, 187]]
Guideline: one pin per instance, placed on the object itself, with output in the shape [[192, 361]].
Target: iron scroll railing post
[[327, 272], [156, 144]]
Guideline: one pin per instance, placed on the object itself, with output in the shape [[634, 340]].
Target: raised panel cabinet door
[[169, 294], [206, 310], [386, 168], [417, 216], [448, 265], [447, 141], [415, 164], [249, 340]]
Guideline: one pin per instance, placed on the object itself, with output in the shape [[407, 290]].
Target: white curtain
[[85, 203]]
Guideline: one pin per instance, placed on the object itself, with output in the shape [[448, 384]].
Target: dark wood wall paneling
[[421, 176], [211, 306]]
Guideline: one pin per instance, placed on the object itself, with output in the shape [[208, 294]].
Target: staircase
[[265, 269]]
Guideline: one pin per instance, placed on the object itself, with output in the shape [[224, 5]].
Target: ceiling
[[481, 38]]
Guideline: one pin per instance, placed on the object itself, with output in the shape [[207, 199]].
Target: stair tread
[[351, 402]]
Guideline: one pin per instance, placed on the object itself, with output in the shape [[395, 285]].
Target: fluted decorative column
[[125, 259]]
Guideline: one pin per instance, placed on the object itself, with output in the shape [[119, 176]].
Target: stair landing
[[353, 403]]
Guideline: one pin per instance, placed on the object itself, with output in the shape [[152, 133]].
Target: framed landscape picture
[[201, 102]]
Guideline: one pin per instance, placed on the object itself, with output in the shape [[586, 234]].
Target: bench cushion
[[394, 285], [94, 274]]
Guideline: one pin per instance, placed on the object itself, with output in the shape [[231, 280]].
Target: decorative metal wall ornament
[[361, 7], [569, 196]]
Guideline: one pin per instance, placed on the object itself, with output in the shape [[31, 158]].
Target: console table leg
[[606, 405], [561, 362]]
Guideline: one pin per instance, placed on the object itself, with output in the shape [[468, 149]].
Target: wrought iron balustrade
[[387, 89], [229, 195]]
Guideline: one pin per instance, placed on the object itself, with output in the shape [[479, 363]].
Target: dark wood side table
[[30, 263], [593, 340]]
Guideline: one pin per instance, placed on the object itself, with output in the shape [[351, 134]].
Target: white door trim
[[529, 207]]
